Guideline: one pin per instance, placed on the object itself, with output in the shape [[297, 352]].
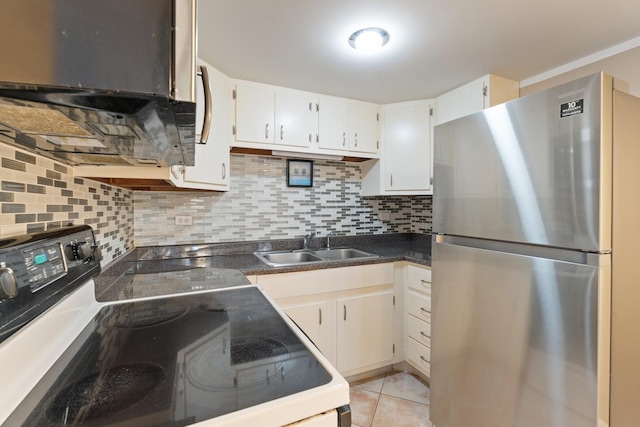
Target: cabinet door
[[317, 320], [333, 123], [407, 146], [294, 118], [460, 102], [212, 158], [475, 96], [255, 106], [365, 330], [363, 127]]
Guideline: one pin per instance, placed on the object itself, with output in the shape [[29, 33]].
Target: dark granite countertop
[[218, 265]]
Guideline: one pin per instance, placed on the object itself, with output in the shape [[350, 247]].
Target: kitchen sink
[[287, 258], [342, 254], [301, 257]]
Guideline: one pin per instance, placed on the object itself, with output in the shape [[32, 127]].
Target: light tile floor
[[394, 399]]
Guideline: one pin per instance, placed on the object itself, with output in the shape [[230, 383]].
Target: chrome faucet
[[307, 239], [329, 234]]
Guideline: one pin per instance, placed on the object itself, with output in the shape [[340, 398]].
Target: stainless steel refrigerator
[[536, 268]]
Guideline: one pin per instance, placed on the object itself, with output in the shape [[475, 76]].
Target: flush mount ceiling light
[[369, 39]]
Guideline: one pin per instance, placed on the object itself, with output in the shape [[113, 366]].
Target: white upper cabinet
[[363, 126], [255, 113], [407, 146], [405, 159], [211, 169], [271, 115], [295, 118], [333, 123], [475, 96], [282, 119]]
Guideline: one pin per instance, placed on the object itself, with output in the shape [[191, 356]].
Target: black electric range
[[214, 357]]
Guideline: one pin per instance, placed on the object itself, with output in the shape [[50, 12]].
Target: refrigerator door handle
[[558, 254]]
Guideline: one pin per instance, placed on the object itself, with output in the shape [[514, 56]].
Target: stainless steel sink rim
[[304, 257]]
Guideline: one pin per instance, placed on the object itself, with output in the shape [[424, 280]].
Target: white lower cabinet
[[418, 318], [318, 321], [348, 312], [365, 330]]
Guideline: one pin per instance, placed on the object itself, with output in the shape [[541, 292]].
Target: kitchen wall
[[624, 65], [261, 206], [39, 194]]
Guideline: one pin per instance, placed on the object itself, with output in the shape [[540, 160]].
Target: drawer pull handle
[[423, 359], [424, 335], [424, 283], [424, 310], [320, 312], [344, 309]]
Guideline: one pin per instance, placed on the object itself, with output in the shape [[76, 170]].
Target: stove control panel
[[43, 265], [39, 269]]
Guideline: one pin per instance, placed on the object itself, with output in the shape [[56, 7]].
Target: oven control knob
[[8, 284], [80, 251], [83, 251]]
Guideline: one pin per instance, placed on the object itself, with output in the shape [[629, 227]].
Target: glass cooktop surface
[[173, 361]]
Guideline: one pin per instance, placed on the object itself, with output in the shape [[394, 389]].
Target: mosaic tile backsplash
[[39, 194], [261, 206]]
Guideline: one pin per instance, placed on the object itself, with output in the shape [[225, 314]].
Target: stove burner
[[103, 395]]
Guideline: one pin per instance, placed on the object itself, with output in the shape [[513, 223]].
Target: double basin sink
[[301, 257]]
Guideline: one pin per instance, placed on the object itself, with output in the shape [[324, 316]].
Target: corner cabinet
[[405, 165], [348, 312], [475, 96]]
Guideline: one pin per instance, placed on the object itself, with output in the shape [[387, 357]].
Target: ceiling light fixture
[[369, 40]]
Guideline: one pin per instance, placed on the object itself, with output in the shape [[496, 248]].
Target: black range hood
[[108, 82]]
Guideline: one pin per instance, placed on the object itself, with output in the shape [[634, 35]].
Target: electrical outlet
[[184, 220]]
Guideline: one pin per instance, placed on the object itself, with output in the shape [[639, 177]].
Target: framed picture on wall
[[299, 173]]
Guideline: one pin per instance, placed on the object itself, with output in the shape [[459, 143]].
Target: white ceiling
[[435, 45]]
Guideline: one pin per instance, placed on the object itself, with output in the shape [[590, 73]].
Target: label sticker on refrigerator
[[572, 108]]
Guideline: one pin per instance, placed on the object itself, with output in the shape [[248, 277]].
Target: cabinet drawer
[[420, 306], [419, 330], [419, 356], [419, 279]]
